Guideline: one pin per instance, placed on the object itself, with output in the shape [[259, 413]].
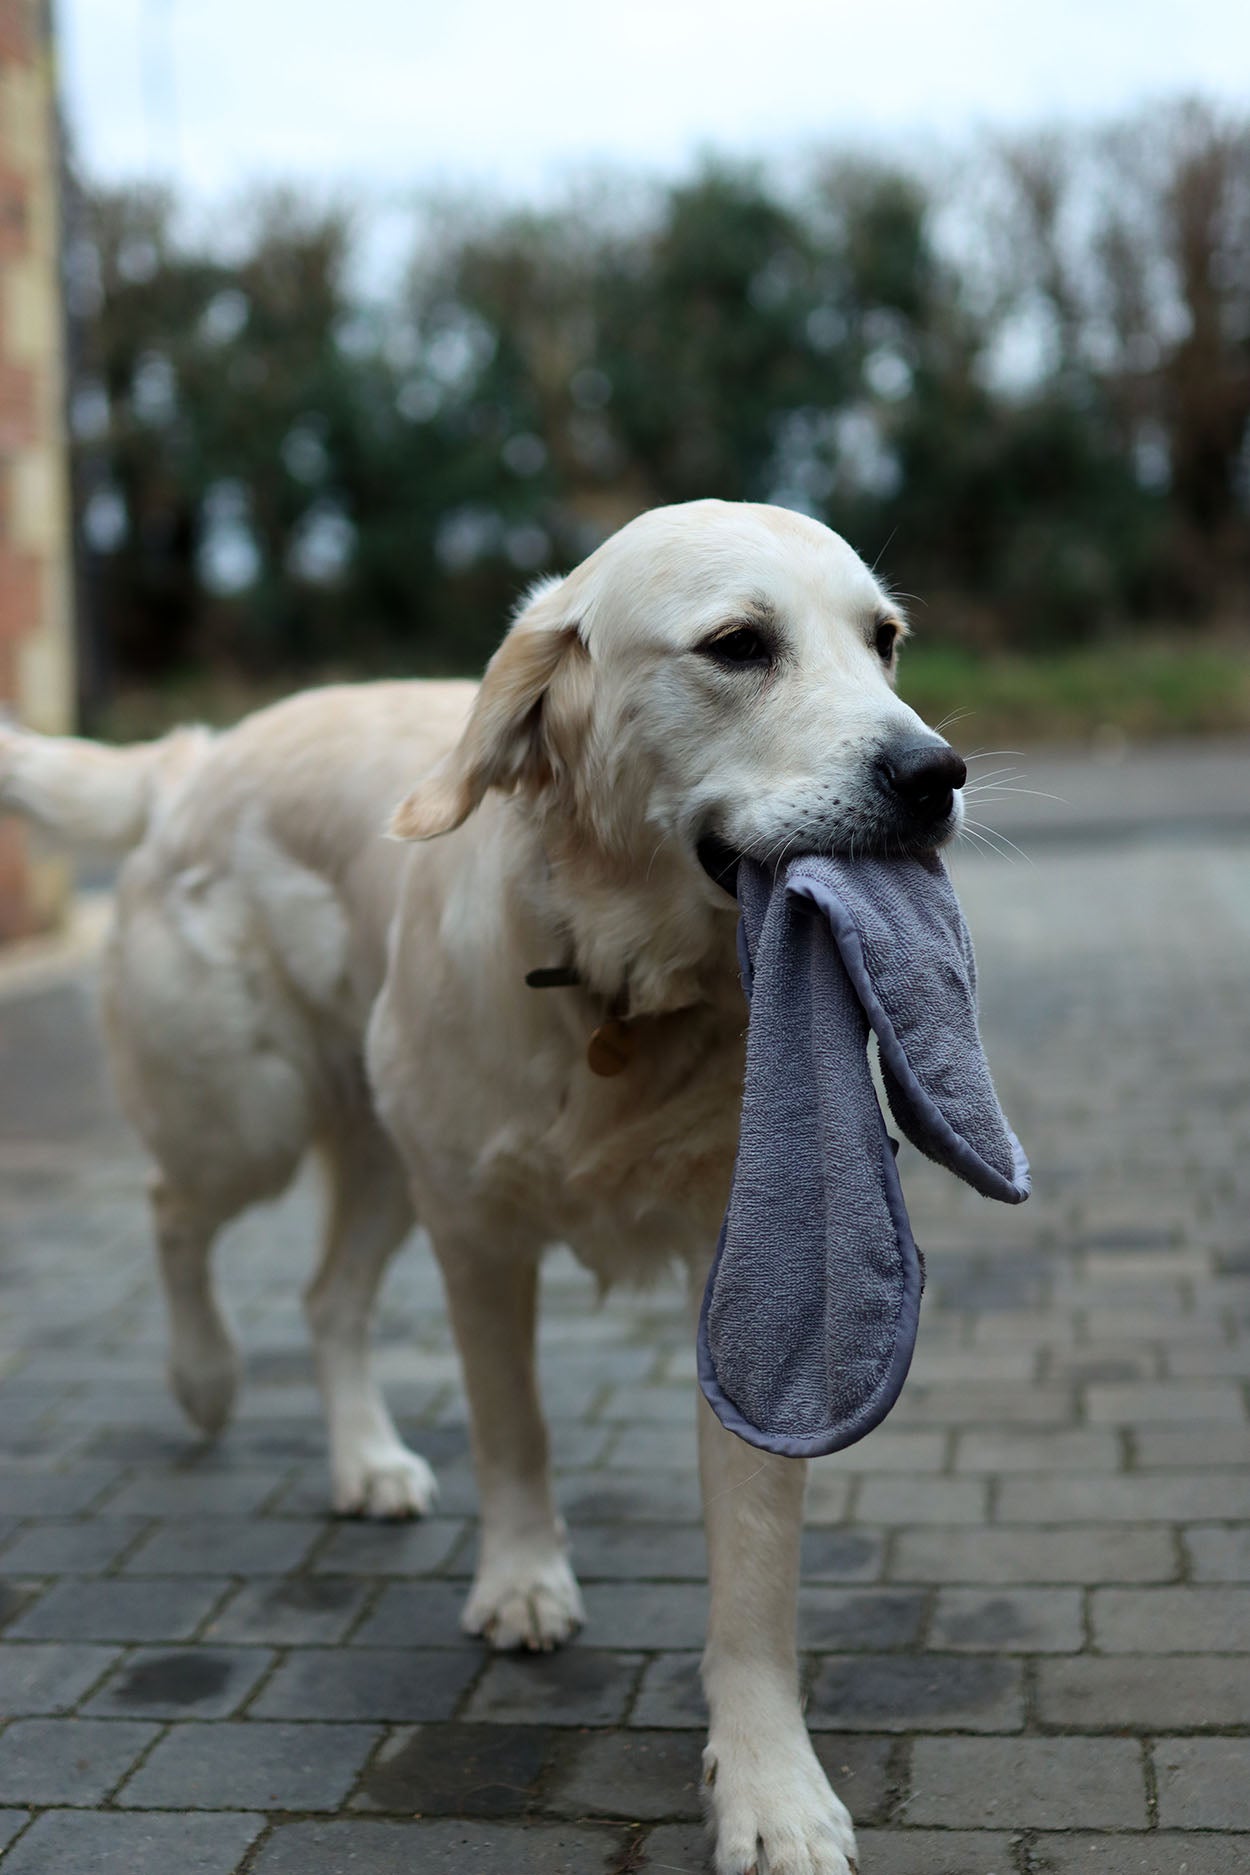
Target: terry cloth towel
[[810, 1313]]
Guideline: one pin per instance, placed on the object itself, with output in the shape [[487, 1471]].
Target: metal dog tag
[[611, 1048]]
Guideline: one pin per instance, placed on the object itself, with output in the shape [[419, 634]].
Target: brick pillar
[[36, 625]]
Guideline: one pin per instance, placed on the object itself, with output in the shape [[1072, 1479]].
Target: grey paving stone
[[1210, 1363], [277, 1440], [67, 1761], [645, 1615], [1162, 1496], [83, 1842], [1182, 1447], [228, 1546], [634, 1776], [615, 1363], [1042, 1328], [682, 1846], [635, 1404], [1171, 1621], [647, 1448], [1109, 1364], [859, 1768], [419, 1614], [640, 1776], [293, 1611], [110, 1609], [196, 1492], [1011, 1361], [841, 1555], [893, 1692], [900, 1500], [82, 1547], [252, 1765], [1009, 1621], [884, 1450], [1161, 1853], [674, 1615], [638, 1552], [1163, 1403], [1083, 1448], [670, 1693], [458, 1770], [392, 1549], [987, 1403], [916, 1693], [375, 1848], [14, 1597], [55, 1493], [598, 1497], [936, 1852], [839, 1620], [1219, 1552], [44, 1678], [575, 1445], [1121, 1553], [367, 1684], [576, 1686], [11, 1823], [1027, 1783], [1127, 1692], [1157, 1322], [1204, 1783], [192, 1682], [828, 1496]]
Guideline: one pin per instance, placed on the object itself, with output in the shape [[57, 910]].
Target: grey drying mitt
[[810, 1314]]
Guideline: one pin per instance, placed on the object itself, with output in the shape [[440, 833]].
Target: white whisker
[[956, 716], [1004, 787], [993, 834]]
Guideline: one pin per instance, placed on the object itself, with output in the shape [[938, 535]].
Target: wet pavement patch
[[185, 1679], [459, 1770]]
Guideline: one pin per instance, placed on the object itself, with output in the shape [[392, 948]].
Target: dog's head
[[717, 678]]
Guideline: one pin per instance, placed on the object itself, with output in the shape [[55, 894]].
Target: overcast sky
[[525, 94]]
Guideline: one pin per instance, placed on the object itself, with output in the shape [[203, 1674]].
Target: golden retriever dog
[[715, 680]]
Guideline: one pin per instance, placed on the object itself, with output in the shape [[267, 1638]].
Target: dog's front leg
[[525, 1593], [771, 1807]]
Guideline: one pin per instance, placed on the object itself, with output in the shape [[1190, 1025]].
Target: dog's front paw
[[525, 1599], [387, 1482], [772, 1810]]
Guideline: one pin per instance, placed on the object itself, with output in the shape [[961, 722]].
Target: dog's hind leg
[[373, 1473], [203, 1357], [525, 1593]]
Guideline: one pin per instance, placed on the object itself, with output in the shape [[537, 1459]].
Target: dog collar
[[613, 1042]]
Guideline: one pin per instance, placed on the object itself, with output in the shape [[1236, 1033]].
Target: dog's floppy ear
[[512, 737]]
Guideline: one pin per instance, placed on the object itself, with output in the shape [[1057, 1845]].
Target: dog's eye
[[884, 638], [741, 646]]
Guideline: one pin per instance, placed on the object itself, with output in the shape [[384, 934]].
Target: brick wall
[[36, 634]]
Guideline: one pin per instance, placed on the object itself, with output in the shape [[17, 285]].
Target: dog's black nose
[[923, 776]]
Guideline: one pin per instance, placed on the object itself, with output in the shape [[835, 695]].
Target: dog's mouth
[[719, 861]]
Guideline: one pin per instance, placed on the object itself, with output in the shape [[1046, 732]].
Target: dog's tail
[[89, 794]]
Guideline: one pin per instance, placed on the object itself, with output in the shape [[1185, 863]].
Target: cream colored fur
[[281, 975]]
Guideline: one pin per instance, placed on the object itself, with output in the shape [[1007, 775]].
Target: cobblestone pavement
[[1026, 1602]]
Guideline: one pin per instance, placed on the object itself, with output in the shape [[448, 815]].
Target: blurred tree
[[1045, 420], [1136, 243]]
